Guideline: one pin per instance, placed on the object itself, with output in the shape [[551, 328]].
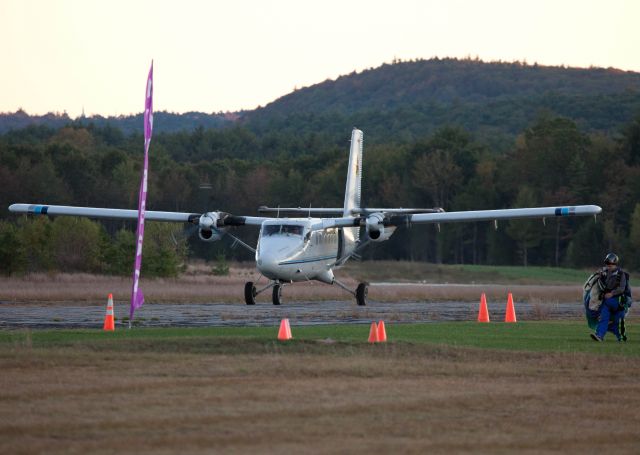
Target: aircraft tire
[[277, 294], [361, 294], [249, 293]]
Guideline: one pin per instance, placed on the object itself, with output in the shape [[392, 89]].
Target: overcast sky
[[210, 56]]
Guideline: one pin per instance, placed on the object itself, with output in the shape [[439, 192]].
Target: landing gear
[[361, 294], [277, 294], [250, 293]]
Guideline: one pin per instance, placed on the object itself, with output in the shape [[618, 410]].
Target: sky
[[219, 56]]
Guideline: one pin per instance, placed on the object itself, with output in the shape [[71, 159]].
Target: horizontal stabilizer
[[339, 211], [303, 210]]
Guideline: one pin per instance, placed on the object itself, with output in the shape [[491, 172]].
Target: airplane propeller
[[207, 227]]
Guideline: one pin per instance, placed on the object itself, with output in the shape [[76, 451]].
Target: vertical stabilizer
[[354, 177]]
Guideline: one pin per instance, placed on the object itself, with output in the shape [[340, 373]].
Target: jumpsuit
[[610, 310]]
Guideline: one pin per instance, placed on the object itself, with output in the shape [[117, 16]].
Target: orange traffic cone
[[288, 329], [109, 323], [382, 333], [373, 333], [483, 312], [510, 315], [285, 331]]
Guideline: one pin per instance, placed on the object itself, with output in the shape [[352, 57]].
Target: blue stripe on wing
[[565, 211], [40, 209]]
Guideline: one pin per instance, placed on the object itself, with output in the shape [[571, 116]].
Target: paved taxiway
[[74, 315]]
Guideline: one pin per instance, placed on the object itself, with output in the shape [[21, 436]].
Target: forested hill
[[165, 122], [448, 81], [406, 100]]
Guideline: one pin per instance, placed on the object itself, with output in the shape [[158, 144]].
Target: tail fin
[[354, 177]]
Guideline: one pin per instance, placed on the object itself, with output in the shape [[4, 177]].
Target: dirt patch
[[205, 288], [316, 398]]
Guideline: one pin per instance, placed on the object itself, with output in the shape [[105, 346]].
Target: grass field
[[442, 273], [441, 388], [524, 336]]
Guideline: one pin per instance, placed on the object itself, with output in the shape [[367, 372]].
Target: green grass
[[419, 271], [523, 336], [532, 274]]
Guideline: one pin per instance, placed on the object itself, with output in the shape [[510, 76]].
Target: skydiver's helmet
[[611, 259]]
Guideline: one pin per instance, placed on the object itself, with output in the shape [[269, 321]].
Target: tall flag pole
[[137, 298]]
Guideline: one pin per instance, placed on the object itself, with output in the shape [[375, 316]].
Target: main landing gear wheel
[[250, 293], [277, 294], [361, 294]]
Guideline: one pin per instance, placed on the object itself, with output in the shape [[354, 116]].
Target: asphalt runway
[[74, 315]]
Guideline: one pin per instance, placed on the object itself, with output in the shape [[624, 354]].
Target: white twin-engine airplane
[[310, 248]]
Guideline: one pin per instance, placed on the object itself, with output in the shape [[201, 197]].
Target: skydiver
[[612, 308]]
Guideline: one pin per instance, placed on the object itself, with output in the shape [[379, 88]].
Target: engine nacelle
[[376, 230], [208, 229]]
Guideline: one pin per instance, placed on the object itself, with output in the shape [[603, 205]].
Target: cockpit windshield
[[282, 229]]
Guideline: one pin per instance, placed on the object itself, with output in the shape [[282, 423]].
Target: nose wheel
[[250, 293], [277, 294]]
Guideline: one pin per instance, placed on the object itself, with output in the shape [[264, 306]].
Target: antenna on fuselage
[[278, 212], [309, 209]]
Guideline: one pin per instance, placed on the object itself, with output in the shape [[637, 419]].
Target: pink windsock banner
[[137, 298]]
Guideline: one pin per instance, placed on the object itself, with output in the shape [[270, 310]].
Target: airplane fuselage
[[289, 250]]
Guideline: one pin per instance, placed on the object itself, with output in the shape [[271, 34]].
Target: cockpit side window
[[291, 229], [271, 230]]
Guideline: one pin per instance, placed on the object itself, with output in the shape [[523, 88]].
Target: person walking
[[615, 282]]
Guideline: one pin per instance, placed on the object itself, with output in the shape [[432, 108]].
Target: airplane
[[310, 247]]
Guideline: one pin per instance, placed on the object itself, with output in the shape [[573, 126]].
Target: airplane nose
[[267, 263], [272, 254]]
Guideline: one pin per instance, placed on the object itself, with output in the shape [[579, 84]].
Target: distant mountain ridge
[[449, 81], [407, 100]]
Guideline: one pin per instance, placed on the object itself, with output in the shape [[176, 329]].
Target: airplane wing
[[340, 210], [102, 213], [393, 219], [505, 214], [222, 219]]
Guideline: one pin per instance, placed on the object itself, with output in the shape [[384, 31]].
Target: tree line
[[551, 162]]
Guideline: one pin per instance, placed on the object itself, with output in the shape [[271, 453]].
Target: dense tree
[[527, 233], [12, 257], [633, 252], [76, 244], [552, 162], [630, 143]]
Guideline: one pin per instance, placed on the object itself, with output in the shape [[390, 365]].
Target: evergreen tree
[[12, 253], [527, 233]]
